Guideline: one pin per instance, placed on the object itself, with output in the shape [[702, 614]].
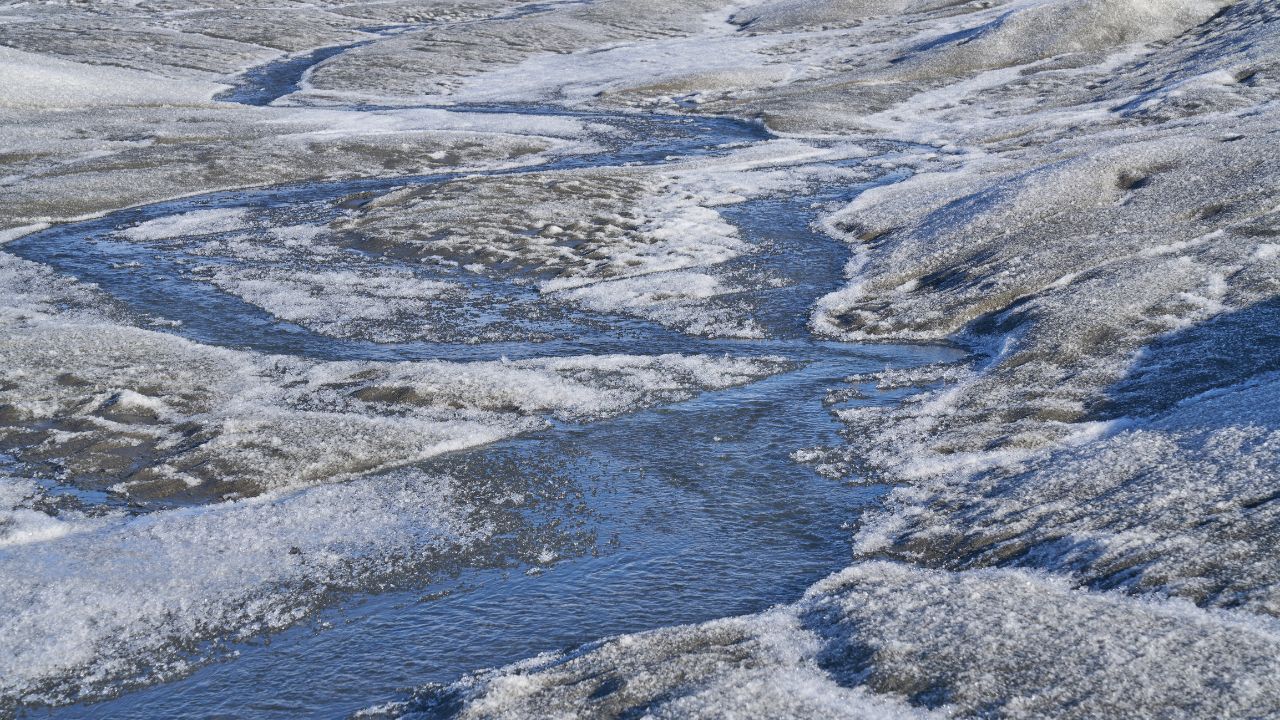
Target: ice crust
[[199, 222], [367, 304], [37, 81], [95, 599], [1118, 274], [613, 241], [762, 666], [881, 639], [676, 299], [62, 164], [156, 416], [648, 242], [434, 61], [1181, 505], [566, 229]]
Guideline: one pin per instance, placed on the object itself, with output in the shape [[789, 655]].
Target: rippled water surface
[[687, 513]]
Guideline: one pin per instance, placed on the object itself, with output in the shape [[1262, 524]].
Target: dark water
[[266, 83], [691, 511]]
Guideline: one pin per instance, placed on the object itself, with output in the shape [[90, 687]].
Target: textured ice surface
[[1181, 505], [566, 232], [764, 665], [37, 81], [565, 229], [152, 415], [1020, 645], [642, 241], [341, 303], [71, 163], [672, 298], [1083, 521], [1099, 220], [886, 640], [199, 222], [437, 59], [96, 598], [1122, 278]]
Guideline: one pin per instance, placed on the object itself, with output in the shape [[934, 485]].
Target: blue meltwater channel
[[681, 513]]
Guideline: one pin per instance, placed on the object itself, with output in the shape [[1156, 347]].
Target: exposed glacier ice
[[33, 80], [1083, 195], [97, 599], [1097, 483], [887, 640]]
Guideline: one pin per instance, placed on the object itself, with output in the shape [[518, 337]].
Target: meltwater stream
[[681, 513], [688, 513], [156, 281]]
